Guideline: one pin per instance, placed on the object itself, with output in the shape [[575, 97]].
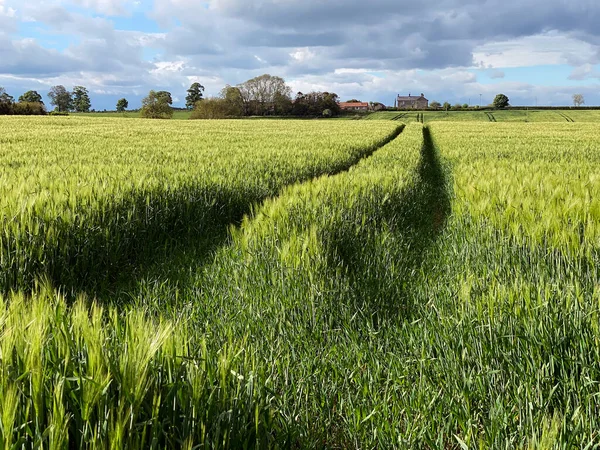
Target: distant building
[[412, 102], [354, 106]]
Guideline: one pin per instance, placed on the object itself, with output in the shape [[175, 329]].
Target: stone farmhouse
[[412, 102]]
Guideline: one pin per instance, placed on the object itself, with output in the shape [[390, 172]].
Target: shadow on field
[[174, 258], [381, 263]]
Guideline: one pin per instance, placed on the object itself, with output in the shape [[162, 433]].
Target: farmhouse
[[354, 106], [412, 102]]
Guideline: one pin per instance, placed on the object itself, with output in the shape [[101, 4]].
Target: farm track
[[399, 116], [564, 116], [491, 117], [198, 250]]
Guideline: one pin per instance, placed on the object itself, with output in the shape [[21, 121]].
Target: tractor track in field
[[564, 116], [180, 261], [399, 116], [491, 117]]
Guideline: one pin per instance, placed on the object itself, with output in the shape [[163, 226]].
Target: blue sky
[[451, 50]]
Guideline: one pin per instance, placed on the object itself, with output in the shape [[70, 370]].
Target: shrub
[[211, 108], [29, 109]]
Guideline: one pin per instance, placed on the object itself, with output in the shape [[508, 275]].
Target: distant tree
[[353, 101], [157, 105], [435, 105], [60, 98], [194, 95], [81, 99], [314, 103], [457, 106], [122, 105], [501, 101], [258, 94], [165, 96], [578, 100], [211, 108], [6, 102], [282, 104], [465, 106], [327, 113], [31, 97], [446, 106], [233, 101]]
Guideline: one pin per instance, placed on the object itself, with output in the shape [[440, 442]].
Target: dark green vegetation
[[438, 291]]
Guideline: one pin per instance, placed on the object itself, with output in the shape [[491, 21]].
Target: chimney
[[422, 95], [409, 94]]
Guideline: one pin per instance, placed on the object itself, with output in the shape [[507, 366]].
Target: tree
[[353, 101], [435, 105], [157, 105], [465, 106], [211, 108], [501, 101], [578, 100], [446, 106], [60, 98], [81, 99], [31, 97], [233, 101], [194, 95], [165, 96], [258, 94], [122, 105], [6, 102]]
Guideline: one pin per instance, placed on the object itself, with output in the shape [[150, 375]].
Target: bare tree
[[578, 99], [259, 94]]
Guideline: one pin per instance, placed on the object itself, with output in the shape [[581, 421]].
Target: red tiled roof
[[353, 104]]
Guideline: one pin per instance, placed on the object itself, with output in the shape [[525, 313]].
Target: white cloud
[[544, 49]]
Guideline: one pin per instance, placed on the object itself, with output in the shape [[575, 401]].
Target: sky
[[462, 51]]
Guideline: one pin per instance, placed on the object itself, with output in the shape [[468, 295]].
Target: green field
[[489, 116], [301, 284], [177, 114]]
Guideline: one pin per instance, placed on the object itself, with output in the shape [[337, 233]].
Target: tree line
[[266, 95]]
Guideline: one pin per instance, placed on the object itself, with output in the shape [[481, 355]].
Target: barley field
[[300, 284]]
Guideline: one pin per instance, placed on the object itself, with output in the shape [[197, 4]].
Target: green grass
[[177, 114], [484, 116], [439, 291]]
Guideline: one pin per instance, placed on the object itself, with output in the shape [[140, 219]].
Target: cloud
[[584, 72], [372, 49]]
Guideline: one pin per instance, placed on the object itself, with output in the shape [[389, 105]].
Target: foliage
[[81, 99], [446, 106], [578, 100], [6, 102], [31, 97], [61, 98], [501, 101], [122, 105], [259, 94], [194, 95], [157, 105], [314, 103], [28, 109], [435, 105], [211, 108], [233, 100]]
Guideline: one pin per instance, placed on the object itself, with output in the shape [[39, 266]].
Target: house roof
[[411, 98], [353, 104]]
